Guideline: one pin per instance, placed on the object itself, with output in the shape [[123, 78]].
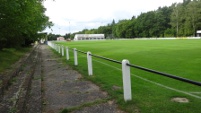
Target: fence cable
[[147, 69]]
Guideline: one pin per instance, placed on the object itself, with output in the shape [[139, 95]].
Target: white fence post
[[67, 54], [89, 61], [126, 80], [75, 57], [59, 49], [62, 50], [56, 47], [53, 45]]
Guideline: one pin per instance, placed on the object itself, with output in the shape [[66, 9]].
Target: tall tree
[[193, 16], [185, 2], [162, 16], [177, 17], [20, 21]]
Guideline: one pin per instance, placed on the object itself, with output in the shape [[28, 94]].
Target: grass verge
[[9, 56]]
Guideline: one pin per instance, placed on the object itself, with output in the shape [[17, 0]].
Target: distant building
[[89, 37], [198, 33], [60, 39]]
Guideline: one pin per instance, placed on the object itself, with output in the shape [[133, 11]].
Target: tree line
[[21, 21], [177, 20]]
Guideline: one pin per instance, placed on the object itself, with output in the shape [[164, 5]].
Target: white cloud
[[93, 13]]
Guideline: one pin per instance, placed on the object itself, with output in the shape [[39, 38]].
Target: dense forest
[[177, 20], [21, 21]]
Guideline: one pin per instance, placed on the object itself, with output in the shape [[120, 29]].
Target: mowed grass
[[151, 93], [9, 56]]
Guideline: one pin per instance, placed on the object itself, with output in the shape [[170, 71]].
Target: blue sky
[[76, 15]]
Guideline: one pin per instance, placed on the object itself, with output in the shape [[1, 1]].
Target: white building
[[60, 39], [198, 33], [89, 37]]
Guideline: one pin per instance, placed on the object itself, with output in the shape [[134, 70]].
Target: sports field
[[151, 93]]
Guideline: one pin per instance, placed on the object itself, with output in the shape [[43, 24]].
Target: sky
[[71, 16]]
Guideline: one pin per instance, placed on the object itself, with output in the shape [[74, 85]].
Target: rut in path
[[45, 85], [14, 98]]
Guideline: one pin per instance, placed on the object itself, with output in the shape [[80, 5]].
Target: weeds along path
[[16, 84], [64, 89]]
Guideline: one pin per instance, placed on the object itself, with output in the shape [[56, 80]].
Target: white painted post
[[67, 54], [59, 49], [48, 44], [75, 57], [62, 50], [56, 47], [126, 80], [89, 61], [53, 46]]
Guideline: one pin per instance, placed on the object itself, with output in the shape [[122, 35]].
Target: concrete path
[[64, 89]]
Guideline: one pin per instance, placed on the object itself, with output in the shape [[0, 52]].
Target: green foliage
[[186, 17], [10, 56], [12, 110], [169, 32], [20, 22], [193, 16], [52, 36], [65, 111], [88, 104], [182, 19]]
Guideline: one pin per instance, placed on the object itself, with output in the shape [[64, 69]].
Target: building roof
[[88, 35], [60, 38], [198, 31]]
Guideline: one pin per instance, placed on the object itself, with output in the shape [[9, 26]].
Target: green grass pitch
[[151, 93]]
